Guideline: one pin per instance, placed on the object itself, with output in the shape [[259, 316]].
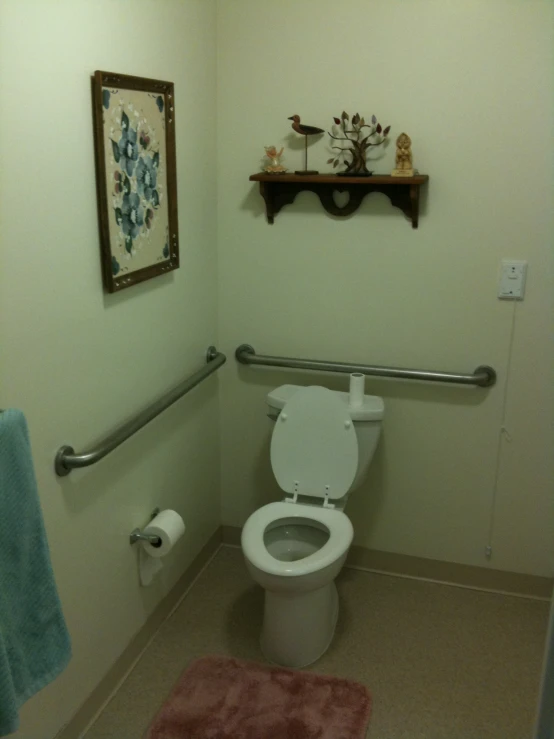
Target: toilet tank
[[367, 419]]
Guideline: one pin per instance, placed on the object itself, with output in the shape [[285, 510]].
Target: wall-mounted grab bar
[[483, 376], [66, 459]]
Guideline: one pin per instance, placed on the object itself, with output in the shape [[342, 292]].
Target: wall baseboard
[[85, 715], [451, 573]]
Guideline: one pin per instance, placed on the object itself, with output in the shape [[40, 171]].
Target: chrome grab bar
[[66, 459], [483, 376]]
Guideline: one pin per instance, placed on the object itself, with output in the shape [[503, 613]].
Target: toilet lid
[[314, 448]]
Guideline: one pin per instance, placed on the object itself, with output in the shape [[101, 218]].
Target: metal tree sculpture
[[359, 143]]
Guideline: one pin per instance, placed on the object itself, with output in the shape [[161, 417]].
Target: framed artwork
[[136, 178]]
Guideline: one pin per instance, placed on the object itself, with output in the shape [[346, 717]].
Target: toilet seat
[[314, 447], [338, 524]]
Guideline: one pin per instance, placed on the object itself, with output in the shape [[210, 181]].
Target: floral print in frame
[[134, 126]]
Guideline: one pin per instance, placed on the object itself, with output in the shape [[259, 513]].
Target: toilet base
[[298, 627]]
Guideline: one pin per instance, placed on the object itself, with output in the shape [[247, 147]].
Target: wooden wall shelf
[[281, 189]]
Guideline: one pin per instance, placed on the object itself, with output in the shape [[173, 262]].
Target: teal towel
[[34, 642]]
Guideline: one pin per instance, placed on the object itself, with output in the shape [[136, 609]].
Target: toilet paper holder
[[138, 535]]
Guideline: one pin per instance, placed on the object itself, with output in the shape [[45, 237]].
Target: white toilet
[[321, 449]]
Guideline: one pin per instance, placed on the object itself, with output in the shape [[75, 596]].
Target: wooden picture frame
[[136, 177]]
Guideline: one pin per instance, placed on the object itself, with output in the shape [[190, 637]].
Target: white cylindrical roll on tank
[[357, 389]]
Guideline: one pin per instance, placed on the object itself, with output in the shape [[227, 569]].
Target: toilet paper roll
[[169, 527], [356, 395]]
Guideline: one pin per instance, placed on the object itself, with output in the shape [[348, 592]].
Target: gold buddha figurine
[[404, 166]]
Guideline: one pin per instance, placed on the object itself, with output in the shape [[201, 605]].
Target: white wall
[[79, 362], [471, 83]]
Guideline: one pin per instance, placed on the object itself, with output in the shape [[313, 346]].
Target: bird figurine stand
[[304, 131]]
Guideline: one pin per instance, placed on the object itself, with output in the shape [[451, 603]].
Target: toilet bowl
[[320, 451], [294, 552]]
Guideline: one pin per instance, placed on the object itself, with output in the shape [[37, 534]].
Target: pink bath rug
[[225, 698]]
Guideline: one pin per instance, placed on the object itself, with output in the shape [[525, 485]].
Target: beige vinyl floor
[[441, 662]]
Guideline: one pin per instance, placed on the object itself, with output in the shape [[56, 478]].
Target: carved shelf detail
[[280, 190]]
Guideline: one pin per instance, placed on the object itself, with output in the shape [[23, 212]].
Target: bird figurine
[[305, 131]]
